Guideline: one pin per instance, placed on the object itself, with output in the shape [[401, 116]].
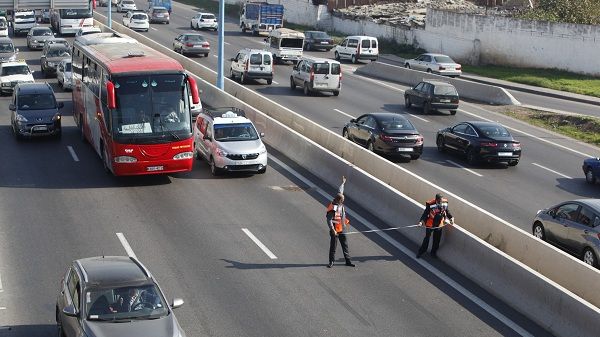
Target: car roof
[[13, 63], [112, 270], [385, 115], [57, 46], [593, 203], [40, 28], [34, 88], [159, 7], [192, 33], [204, 13], [434, 54], [319, 60], [360, 37], [438, 82], [483, 123], [251, 50], [5, 39]]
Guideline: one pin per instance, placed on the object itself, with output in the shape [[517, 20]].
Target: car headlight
[[262, 150], [125, 159], [34, 41], [13, 58], [183, 155], [21, 118], [221, 153], [6, 84], [51, 64], [56, 117]]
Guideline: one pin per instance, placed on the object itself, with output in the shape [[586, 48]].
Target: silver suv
[[98, 292]]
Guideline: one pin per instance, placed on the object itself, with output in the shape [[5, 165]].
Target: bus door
[[91, 92]]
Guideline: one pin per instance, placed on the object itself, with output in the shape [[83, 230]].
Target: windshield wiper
[[174, 135]]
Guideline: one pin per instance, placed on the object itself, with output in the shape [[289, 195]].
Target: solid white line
[[216, 56], [465, 292], [153, 28], [464, 168], [417, 117], [126, 245], [547, 169], [2, 308], [275, 82], [259, 244], [73, 154], [343, 113], [1, 289]]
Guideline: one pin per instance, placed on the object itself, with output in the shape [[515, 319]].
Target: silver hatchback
[[574, 226]]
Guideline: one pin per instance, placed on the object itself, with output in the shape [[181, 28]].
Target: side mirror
[[177, 302], [70, 310], [61, 105], [295, 67], [17, 50], [11, 107], [206, 136], [353, 120], [262, 134], [232, 59]]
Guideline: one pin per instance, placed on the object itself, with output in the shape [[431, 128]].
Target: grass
[[546, 78], [582, 128]]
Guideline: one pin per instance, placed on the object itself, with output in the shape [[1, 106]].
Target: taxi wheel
[[453, 112], [306, 91], [589, 176], [242, 78], [269, 81], [471, 157], [292, 83], [440, 144], [231, 75], [353, 58], [336, 55], [262, 171], [214, 170], [407, 102], [538, 231], [336, 93]]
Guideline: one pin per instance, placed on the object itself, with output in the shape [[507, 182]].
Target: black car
[[385, 133], [35, 111], [480, 141], [591, 169], [314, 40], [432, 95]]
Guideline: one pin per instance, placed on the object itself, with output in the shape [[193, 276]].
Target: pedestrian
[[435, 214], [338, 223]]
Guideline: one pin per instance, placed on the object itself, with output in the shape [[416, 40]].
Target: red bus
[[132, 104]]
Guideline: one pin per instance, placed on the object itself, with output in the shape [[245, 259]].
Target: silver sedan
[[435, 63], [191, 43]]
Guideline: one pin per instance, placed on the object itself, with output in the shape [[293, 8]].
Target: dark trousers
[[333, 246], [437, 235]]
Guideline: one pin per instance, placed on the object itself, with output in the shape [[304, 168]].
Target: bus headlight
[[183, 155], [125, 159]]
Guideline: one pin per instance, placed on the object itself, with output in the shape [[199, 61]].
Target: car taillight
[[489, 144], [189, 44], [206, 45], [385, 138], [459, 67]]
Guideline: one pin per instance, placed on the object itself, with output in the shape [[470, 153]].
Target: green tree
[[571, 11]]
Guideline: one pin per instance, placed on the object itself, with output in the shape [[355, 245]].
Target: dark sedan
[[385, 133], [314, 40], [573, 226], [431, 96], [480, 141], [591, 169]]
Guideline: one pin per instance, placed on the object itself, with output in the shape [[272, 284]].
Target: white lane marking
[[73, 154], [226, 43], [529, 134], [343, 113], [417, 117], [555, 172], [1, 289], [215, 56], [126, 245], [464, 168], [275, 82], [465, 292], [259, 244], [2, 308], [153, 28]]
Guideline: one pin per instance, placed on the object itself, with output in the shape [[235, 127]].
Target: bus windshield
[[75, 13], [151, 109]]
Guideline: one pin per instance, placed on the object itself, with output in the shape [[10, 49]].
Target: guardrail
[[534, 277]]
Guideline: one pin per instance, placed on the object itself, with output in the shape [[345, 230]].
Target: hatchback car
[[436, 64], [317, 75], [385, 133], [37, 36], [573, 226], [126, 5], [136, 21], [54, 54], [317, 40], [228, 141], [432, 96], [480, 141], [204, 21], [191, 43], [113, 296], [35, 111], [252, 64], [159, 14], [8, 52], [55, 40], [64, 74], [591, 169]]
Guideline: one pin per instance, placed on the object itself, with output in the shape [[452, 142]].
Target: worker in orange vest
[[338, 222], [435, 214]]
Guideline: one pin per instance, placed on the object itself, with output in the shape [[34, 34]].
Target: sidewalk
[[397, 60]]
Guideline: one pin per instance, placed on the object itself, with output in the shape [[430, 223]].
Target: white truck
[[260, 17], [285, 44]]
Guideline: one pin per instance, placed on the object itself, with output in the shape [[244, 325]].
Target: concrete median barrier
[[476, 91], [535, 278]]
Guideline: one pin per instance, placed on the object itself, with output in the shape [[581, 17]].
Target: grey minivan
[[35, 111], [113, 296], [573, 226]]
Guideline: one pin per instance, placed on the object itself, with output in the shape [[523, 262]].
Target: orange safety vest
[[435, 210], [337, 218]]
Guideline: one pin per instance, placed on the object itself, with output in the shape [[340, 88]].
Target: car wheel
[[336, 55], [214, 170], [453, 112], [205, 54], [105, 160], [292, 83], [81, 134], [429, 71], [336, 93], [407, 66], [269, 81], [197, 26], [306, 90], [538, 231], [242, 78], [415, 156], [345, 134], [263, 170], [370, 146], [231, 75], [513, 163], [353, 59], [471, 157], [191, 25], [197, 153], [589, 257], [18, 135], [407, 102], [426, 108], [440, 144], [59, 329], [589, 176]]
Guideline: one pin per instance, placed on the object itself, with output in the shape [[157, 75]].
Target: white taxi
[[12, 73]]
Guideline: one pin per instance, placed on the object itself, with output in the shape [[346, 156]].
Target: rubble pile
[[409, 13]]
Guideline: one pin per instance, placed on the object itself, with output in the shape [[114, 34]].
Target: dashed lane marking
[[73, 154], [550, 170], [126, 245], [259, 244], [343, 113], [464, 168]]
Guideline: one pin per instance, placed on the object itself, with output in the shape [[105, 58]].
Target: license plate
[[155, 168], [505, 154], [245, 162], [320, 84], [325, 42], [159, 15], [445, 100], [40, 128], [404, 149]]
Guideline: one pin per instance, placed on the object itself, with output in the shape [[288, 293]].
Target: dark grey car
[[35, 111], [98, 292], [191, 43], [574, 226], [52, 57], [8, 52]]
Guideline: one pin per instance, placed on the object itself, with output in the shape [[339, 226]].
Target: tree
[[571, 11]]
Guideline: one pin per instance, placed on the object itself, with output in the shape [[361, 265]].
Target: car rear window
[[335, 69], [443, 59], [321, 68], [444, 90], [494, 131], [373, 43], [160, 10], [208, 17], [267, 59], [256, 59], [195, 38], [366, 44], [139, 17], [395, 124]]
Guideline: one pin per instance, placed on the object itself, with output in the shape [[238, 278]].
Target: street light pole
[[109, 17], [221, 29]]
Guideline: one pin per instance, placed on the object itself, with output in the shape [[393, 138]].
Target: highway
[[191, 230]]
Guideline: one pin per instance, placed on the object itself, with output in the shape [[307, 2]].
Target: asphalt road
[[57, 205]]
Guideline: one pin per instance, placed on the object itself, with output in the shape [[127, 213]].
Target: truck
[[160, 3], [260, 17]]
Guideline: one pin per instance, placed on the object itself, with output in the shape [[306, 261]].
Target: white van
[[23, 21], [356, 48], [317, 75], [252, 64], [285, 44], [3, 27]]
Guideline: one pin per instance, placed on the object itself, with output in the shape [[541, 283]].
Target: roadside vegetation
[[582, 128], [570, 11]]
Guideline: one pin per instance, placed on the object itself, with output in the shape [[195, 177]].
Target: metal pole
[[109, 17], [221, 44]]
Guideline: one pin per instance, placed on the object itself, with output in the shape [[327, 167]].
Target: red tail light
[[385, 138], [489, 144], [189, 44], [459, 67], [111, 97], [206, 45]]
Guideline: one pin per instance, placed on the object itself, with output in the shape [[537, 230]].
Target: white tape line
[[126, 245], [547, 169], [259, 244], [73, 154]]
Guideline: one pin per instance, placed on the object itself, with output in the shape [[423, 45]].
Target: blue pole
[[109, 19], [221, 44]]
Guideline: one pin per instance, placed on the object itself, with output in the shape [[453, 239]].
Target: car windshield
[[151, 109], [493, 131], [75, 13], [68, 67], [319, 35], [443, 59], [42, 32], [57, 52], [292, 43], [36, 102], [15, 70], [444, 90], [125, 303], [235, 132], [396, 124], [6, 47]]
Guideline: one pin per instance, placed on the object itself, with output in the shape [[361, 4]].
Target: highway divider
[[550, 287], [477, 91]]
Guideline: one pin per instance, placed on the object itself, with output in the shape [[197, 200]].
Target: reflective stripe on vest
[[337, 218], [435, 209]]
